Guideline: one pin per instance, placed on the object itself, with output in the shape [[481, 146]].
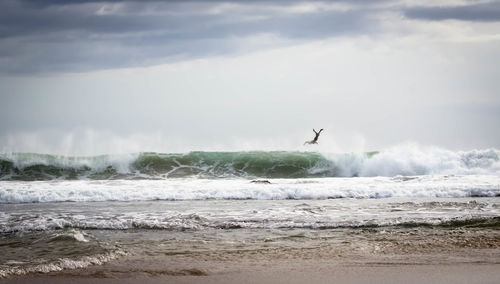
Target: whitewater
[[399, 172], [276, 189]]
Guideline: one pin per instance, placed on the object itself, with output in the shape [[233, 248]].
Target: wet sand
[[322, 264], [289, 272]]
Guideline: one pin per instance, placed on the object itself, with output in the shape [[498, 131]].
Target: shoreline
[[242, 242], [285, 271], [319, 264]]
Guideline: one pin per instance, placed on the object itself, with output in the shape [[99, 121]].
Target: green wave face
[[257, 164], [239, 164]]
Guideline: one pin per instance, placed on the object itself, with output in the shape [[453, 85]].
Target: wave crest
[[403, 160]]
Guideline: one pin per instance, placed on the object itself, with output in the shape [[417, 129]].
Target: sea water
[[59, 213]]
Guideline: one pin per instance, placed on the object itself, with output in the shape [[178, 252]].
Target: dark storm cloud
[[483, 12], [81, 35], [54, 36]]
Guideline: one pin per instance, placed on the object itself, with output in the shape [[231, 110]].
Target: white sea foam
[[59, 265], [202, 189], [257, 214], [417, 160]]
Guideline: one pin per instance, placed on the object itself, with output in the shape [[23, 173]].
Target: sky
[[85, 77]]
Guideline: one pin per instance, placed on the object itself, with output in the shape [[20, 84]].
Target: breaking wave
[[303, 218], [241, 189], [405, 161]]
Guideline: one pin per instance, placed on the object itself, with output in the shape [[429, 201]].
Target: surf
[[405, 161]]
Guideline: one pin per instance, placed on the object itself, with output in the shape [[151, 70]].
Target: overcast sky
[[93, 77]]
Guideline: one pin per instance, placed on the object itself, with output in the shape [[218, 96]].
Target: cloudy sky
[[88, 77]]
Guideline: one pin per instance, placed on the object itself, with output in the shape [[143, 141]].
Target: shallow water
[[45, 237]]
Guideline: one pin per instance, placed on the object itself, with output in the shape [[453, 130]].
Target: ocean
[[75, 213]]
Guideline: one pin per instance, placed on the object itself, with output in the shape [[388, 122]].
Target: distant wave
[[406, 161]]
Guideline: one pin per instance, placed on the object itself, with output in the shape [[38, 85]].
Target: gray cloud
[[483, 12], [82, 35], [58, 36]]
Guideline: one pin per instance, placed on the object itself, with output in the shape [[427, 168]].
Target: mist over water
[[92, 142]]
